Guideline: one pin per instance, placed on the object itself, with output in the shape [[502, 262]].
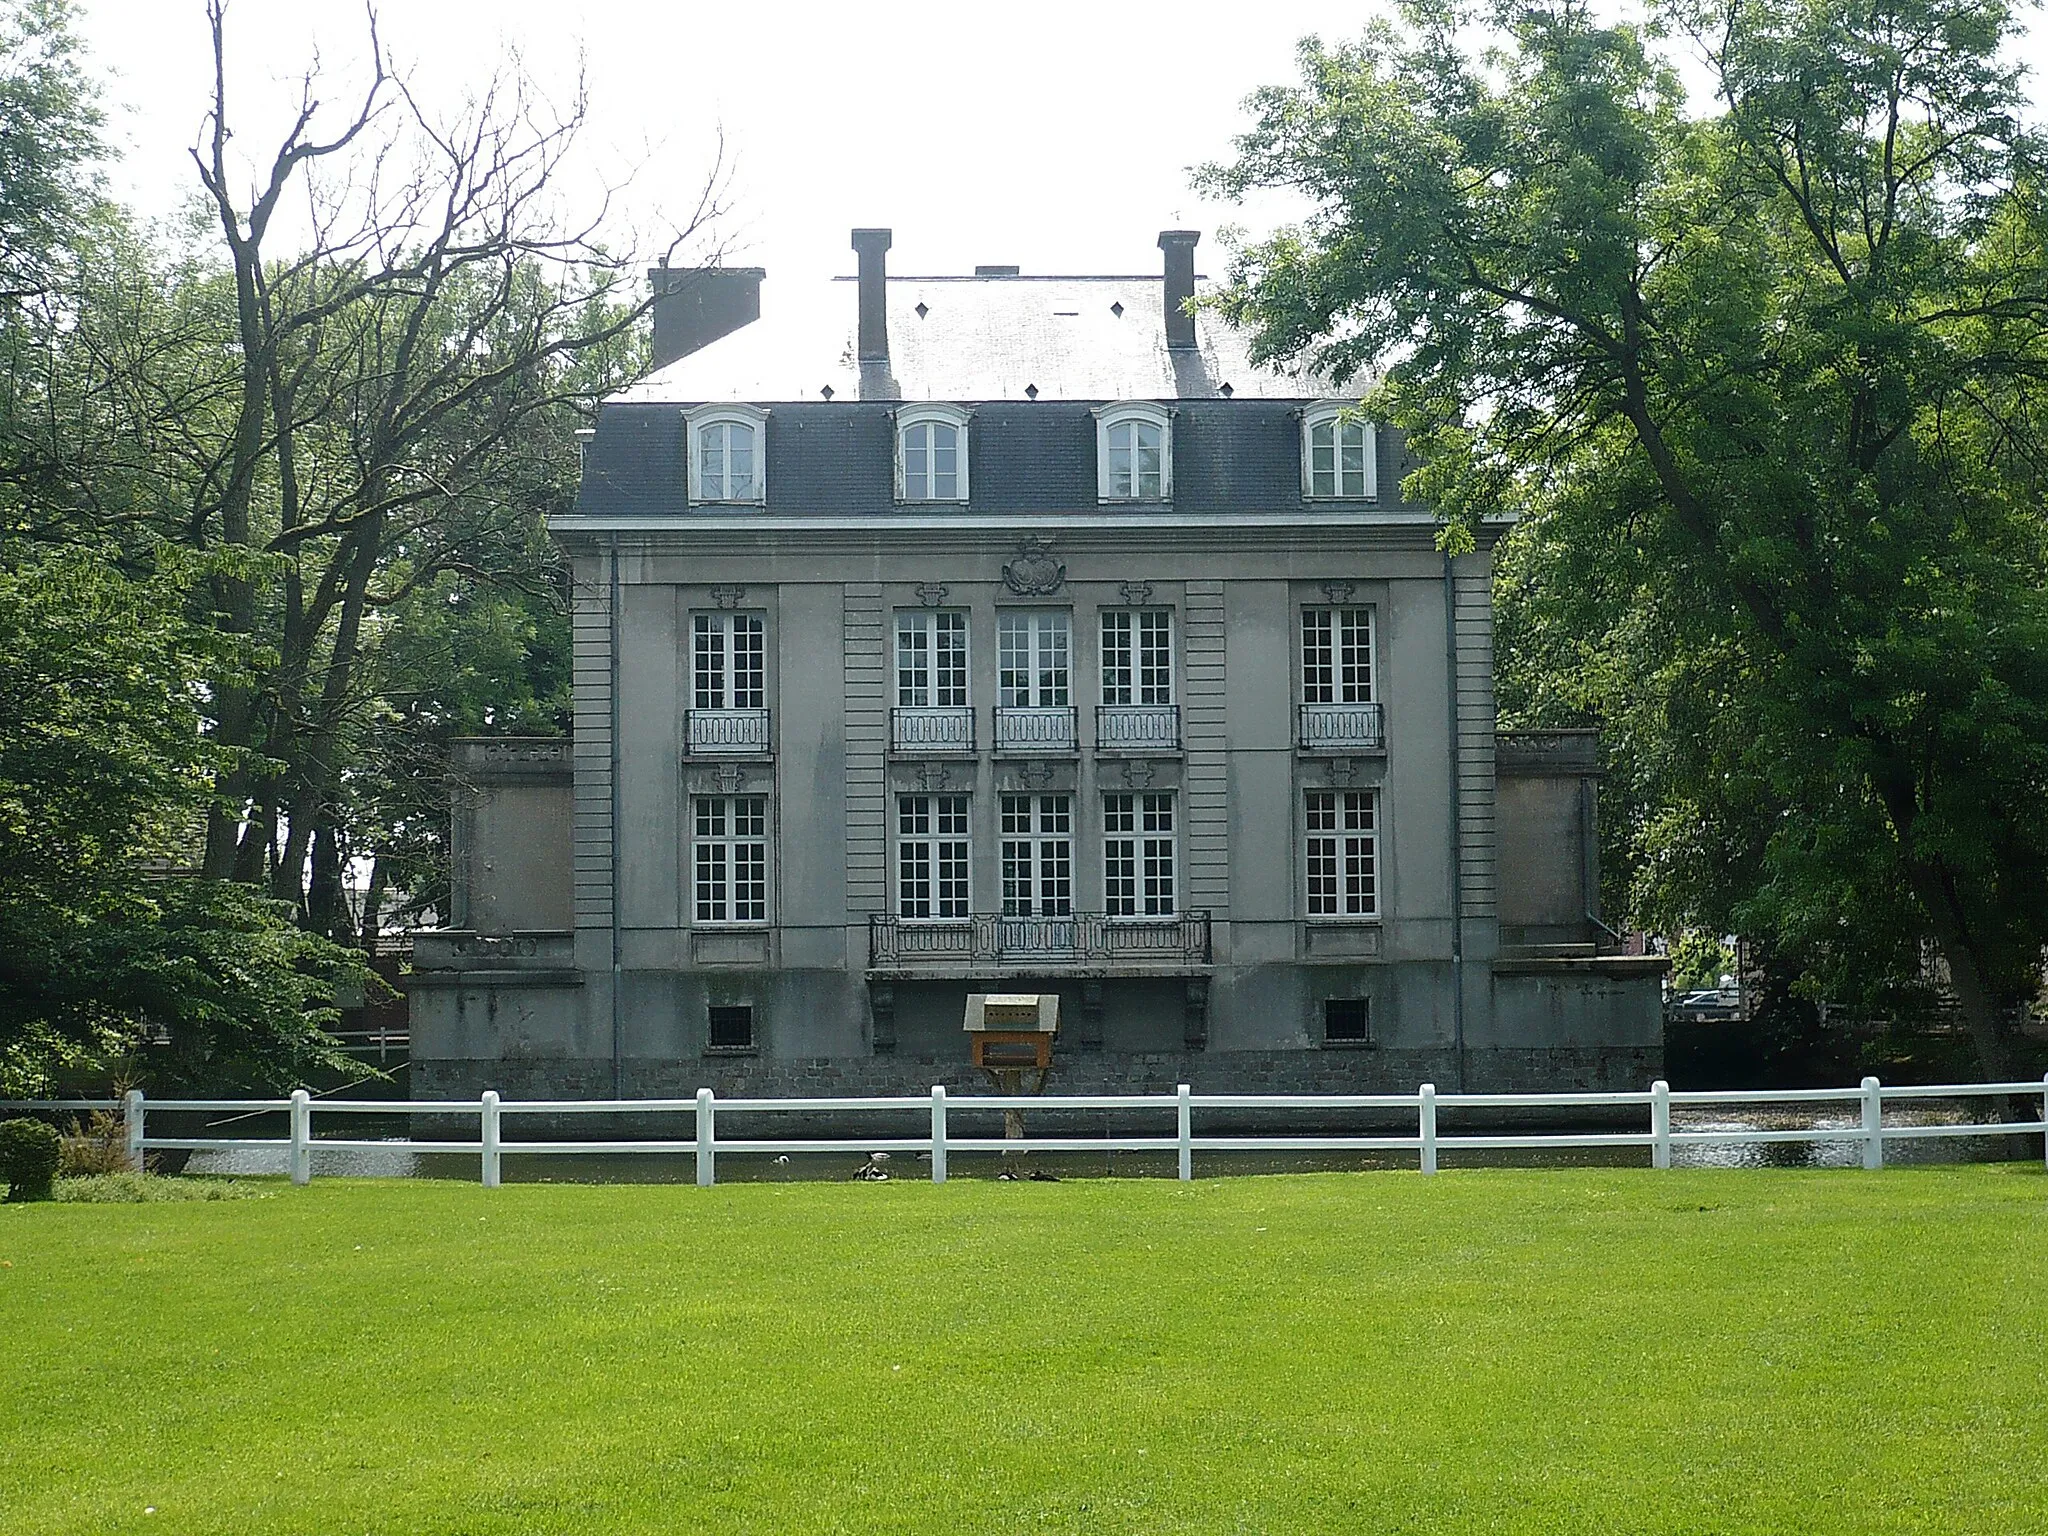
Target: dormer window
[[1134, 452], [1339, 458], [931, 453], [727, 462]]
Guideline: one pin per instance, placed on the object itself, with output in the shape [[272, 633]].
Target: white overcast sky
[[1053, 134]]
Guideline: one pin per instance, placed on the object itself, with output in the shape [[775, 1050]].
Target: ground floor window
[[1138, 855], [1038, 855], [931, 856], [1347, 1021], [732, 859], [1342, 852]]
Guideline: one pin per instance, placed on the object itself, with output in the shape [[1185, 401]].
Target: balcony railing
[[1137, 727], [727, 732], [1080, 940], [933, 728], [1341, 728], [1039, 729]]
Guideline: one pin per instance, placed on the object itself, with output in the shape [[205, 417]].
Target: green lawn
[[1555, 1351]]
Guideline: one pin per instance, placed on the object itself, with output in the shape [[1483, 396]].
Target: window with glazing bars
[[729, 661], [931, 461], [1341, 853], [725, 461], [1337, 447], [732, 859], [931, 659], [1038, 855], [1137, 656], [1031, 658], [1138, 855], [931, 856], [1336, 656], [1136, 460]]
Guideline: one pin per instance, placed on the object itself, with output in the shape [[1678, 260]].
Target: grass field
[[1554, 1351]]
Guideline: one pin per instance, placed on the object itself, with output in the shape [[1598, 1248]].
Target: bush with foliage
[[29, 1152]]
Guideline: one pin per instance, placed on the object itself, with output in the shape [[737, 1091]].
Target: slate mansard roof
[[1028, 356]]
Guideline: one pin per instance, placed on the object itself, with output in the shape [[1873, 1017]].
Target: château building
[[1006, 632]]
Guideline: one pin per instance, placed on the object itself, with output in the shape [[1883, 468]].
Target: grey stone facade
[[1196, 948]]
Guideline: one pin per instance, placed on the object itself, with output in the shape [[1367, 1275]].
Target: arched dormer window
[[1339, 454], [728, 461], [931, 453], [1134, 451]]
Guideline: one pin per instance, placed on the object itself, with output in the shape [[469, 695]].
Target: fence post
[[131, 1125], [938, 1133], [707, 1167], [2044, 1119], [1873, 1124], [302, 1137], [1186, 1131], [1660, 1124], [493, 1162], [1426, 1104]]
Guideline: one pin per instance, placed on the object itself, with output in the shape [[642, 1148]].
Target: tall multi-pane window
[[1336, 656], [1137, 458], [1032, 649], [1339, 448], [727, 461], [931, 462], [728, 661], [732, 859], [931, 658], [1138, 855], [931, 856], [1137, 656], [1341, 852], [1038, 855]]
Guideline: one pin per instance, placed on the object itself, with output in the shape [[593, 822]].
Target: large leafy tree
[[1759, 376]]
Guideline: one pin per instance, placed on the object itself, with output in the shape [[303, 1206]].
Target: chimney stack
[[873, 245], [694, 306], [1179, 245]]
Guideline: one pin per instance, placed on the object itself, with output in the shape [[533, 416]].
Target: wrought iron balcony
[[1341, 728], [1046, 729], [1125, 728], [941, 728], [1079, 942], [727, 732]]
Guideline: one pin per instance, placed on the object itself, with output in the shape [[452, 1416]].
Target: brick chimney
[[873, 245], [1179, 245], [694, 306]]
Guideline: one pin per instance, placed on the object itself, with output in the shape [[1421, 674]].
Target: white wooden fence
[[1426, 1104]]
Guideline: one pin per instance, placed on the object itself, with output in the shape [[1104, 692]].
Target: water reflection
[[666, 1168]]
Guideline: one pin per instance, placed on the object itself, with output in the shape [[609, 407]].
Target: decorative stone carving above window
[[1035, 572], [1339, 591], [1138, 773], [933, 775], [931, 594], [1135, 593], [728, 597]]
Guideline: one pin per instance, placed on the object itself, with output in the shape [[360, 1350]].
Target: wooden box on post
[[1012, 1029]]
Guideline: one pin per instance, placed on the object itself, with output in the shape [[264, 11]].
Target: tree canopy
[[1757, 376]]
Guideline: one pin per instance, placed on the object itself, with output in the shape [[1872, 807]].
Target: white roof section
[[976, 338]]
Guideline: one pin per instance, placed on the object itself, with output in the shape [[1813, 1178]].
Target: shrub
[[98, 1145], [149, 1189], [29, 1151]]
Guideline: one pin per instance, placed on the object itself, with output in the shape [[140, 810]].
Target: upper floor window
[[1339, 460], [1137, 656], [931, 856], [728, 661], [931, 659], [1341, 831], [1032, 646], [1138, 855], [1133, 452], [931, 453], [1336, 656], [732, 859], [727, 462]]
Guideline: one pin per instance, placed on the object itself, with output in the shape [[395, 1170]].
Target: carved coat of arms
[[1035, 572]]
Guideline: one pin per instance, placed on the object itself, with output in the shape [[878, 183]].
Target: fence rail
[[1426, 1104]]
